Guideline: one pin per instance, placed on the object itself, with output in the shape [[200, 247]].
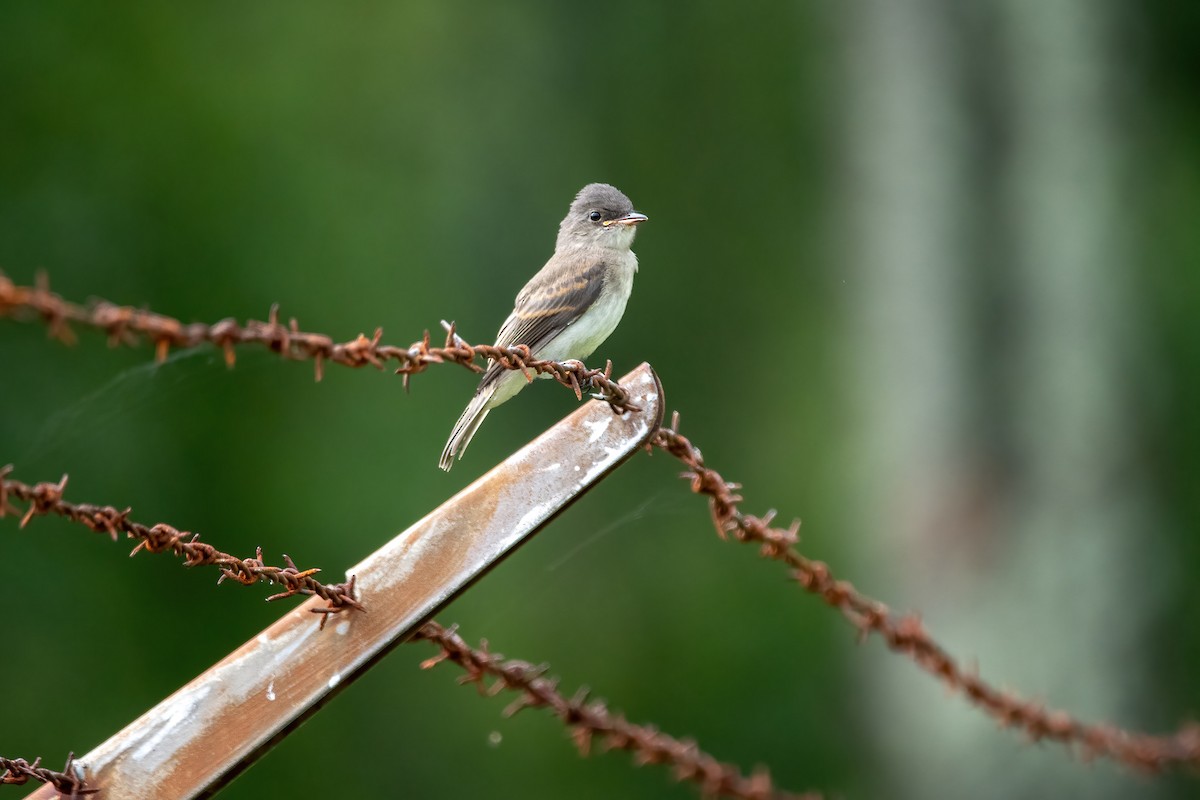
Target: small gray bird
[[569, 307]]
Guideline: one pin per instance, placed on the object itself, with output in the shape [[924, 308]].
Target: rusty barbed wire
[[126, 325], [907, 634], [590, 721], [18, 772], [47, 498]]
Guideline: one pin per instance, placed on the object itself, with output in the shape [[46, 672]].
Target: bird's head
[[601, 215]]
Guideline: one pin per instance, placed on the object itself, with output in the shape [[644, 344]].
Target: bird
[[569, 307]]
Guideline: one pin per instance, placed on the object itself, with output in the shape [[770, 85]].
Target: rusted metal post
[[203, 735]]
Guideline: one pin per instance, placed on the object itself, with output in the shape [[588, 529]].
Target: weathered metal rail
[[203, 735]]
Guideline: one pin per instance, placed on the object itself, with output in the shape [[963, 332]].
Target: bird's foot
[[580, 378]]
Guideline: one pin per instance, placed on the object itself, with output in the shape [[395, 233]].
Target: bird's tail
[[465, 428]]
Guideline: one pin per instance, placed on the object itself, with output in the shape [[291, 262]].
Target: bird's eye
[[594, 216]]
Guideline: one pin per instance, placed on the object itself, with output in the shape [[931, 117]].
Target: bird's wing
[[542, 312], [544, 308]]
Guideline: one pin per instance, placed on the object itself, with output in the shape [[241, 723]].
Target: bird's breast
[[581, 338]]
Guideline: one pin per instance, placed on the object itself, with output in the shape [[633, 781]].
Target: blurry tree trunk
[[987, 256]]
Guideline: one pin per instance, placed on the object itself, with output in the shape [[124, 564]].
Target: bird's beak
[[632, 218]]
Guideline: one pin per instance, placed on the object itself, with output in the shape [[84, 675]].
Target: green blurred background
[[922, 274]]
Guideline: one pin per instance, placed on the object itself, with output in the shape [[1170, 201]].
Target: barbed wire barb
[[590, 721], [18, 772], [126, 326], [44, 499], [906, 634]]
